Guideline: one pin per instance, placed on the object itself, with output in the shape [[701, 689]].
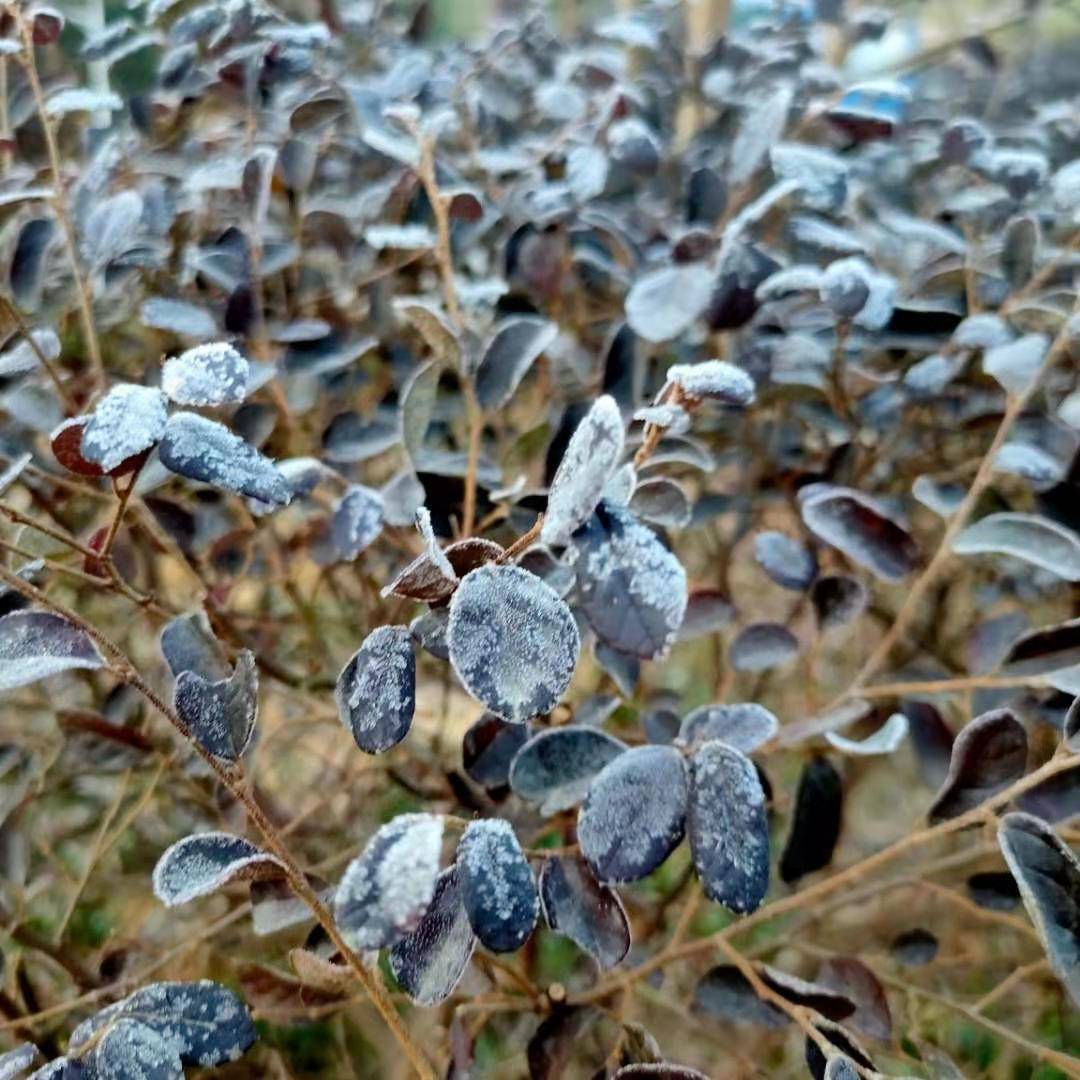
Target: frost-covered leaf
[[430, 961], [204, 450], [132, 1050], [220, 714], [855, 291], [80, 99], [513, 642], [1037, 540], [665, 302], [815, 828], [786, 561], [22, 356], [715, 380], [128, 420], [201, 864], [66, 443], [386, 890], [399, 237], [430, 577], [61, 1068], [517, 344], [591, 456], [634, 815], [1048, 875], [659, 1070], [860, 527], [211, 374], [357, 521], [433, 326], [727, 827], [376, 690], [761, 127], [633, 590], [988, 755], [497, 885], [743, 725], [37, 644], [188, 644], [885, 740], [179, 317], [1016, 363], [202, 1023], [591, 915], [111, 229], [820, 174], [15, 1062], [556, 767], [761, 646]]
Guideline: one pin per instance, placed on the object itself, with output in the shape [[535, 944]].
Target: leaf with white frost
[[204, 450], [885, 740], [634, 814], [220, 714], [1034, 539], [128, 420], [1016, 363], [666, 302], [590, 458], [742, 725], [211, 374], [201, 864], [356, 521], [386, 890], [497, 884], [512, 641], [202, 1023], [179, 317], [431, 960], [633, 590], [79, 99], [727, 826], [376, 690], [556, 766], [37, 644]]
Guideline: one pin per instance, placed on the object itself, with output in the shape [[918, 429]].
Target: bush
[[658, 454]]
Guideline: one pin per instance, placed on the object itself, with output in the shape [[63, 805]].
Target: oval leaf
[[556, 767], [815, 828], [635, 813], [497, 885], [386, 890], [357, 521], [430, 961], [514, 349], [513, 643], [590, 458], [220, 715], [591, 915], [204, 450], [727, 826], [743, 725], [199, 865], [885, 740], [988, 755], [37, 644], [1036, 540], [128, 420], [211, 374], [376, 690]]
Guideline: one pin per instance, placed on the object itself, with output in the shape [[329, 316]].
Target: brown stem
[[82, 290], [123, 668], [27, 335]]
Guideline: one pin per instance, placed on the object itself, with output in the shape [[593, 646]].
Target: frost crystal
[[376, 690], [211, 374], [37, 644], [385, 891], [743, 725], [128, 420], [205, 450], [884, 741], [635, 813], [590, 458], [513, 643], [497, 885], [201, 864]]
